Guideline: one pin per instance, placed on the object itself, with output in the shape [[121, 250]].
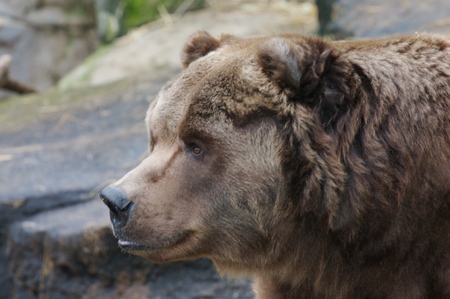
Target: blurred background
[[76, 77]]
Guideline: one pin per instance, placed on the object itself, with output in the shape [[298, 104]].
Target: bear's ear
[[198, 45], [279, 59], [296, 68]]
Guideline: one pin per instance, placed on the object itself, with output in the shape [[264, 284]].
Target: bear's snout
[[119, 205]]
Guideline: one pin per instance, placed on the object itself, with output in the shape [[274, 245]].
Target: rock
[[75, 141], [158, 44], [71, 253], [371, 18], [72, 242], [46, 38]]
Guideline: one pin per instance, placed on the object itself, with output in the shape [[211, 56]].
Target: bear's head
[[242, 156]]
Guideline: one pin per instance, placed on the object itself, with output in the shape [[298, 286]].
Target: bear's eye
[[196, 150]]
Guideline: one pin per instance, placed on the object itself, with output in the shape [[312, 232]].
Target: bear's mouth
[[129, 246]]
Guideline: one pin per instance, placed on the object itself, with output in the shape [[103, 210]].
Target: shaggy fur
[[322, 169]]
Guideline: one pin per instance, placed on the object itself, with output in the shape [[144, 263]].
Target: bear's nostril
[[110, 205], [119, 205]]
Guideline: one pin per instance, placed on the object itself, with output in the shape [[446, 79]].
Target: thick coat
[[321, 169]]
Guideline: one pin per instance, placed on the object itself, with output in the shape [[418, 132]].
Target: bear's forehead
[[224, 86]]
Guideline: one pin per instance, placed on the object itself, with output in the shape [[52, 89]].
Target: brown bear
[[321, 169]]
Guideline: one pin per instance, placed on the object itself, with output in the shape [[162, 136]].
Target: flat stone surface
[[59, 148]]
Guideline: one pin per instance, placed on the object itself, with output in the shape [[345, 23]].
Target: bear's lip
[[128, 245]]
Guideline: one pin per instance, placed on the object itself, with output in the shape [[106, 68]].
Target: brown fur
[[320, 168]]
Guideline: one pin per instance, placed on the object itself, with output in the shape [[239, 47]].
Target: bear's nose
[[119, 205]]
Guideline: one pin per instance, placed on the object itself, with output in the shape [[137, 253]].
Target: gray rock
[[157, 45], [68, 253], [371, 18], [71, 253], [46, 38], [73, 142]]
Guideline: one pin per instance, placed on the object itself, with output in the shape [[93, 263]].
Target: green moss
[[138, 12], [19, 112], [82, 74]]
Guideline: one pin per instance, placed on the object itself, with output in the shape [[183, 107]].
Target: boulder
[[371, 18], [157, 45], [71, 253], [46, 38]]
